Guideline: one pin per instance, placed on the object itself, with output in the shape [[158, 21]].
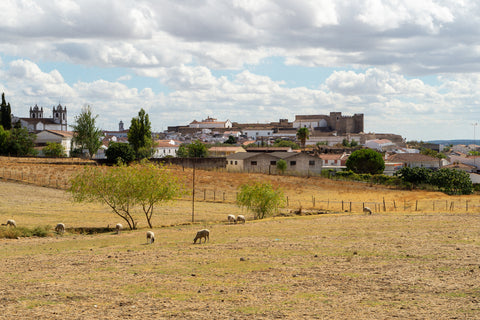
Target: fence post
[[287, 201], [224, 196], [394, 205], [384, 206], [204, 194], [404, 205], [214, 194], [342, 205], [466, 205], [350, 206], [416, 205]]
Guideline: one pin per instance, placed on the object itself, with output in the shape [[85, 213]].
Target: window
[[235, 162], [231, 161], [311, 162], [273, 163], [253, 163], [293, 163]]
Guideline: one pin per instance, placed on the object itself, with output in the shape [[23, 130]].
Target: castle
[[335, 122], [36, 122]]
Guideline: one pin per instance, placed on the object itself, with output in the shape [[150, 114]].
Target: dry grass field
[[402, 264]]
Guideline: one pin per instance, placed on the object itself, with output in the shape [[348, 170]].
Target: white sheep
[[367, 210], [150, 237], [11, 223], [118, 227], [231, 218], [60, 228], [204, 233], [240, 218]]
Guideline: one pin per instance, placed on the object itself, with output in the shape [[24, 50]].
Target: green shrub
[[14, 233]]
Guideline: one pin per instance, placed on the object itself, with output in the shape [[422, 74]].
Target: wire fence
[[316, 203]]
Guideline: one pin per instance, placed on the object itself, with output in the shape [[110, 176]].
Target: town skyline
[[411, 68]]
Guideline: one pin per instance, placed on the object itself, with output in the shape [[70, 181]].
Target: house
[[333, 159], [164, 148], [380, 145], [55, 136], [267, 162], [224, 151], [413, 160], [258, 133]]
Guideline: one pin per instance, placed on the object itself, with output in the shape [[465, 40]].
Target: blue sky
[[411, 67]]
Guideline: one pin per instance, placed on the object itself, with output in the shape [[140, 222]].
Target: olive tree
[[126, 189], [155, 184], [260, 198]]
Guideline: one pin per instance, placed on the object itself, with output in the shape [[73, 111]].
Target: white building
[[55, 136], [36, 122], [380, 144], [164, 148], [210, 123]]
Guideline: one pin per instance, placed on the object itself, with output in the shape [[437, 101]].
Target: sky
[[412, 67]]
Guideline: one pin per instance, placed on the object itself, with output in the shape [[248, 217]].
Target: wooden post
[[214, 194], [404, 205], [204, 194], [350, 206], [384, 206], [287, 201], [466, 205], [394, 205], [342, 205], [193, 192], [416, 205], [433, 205], [224, 196]]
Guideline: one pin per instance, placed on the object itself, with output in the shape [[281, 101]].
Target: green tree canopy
[[127, 190], [54, 149], [140, 135], [303, 135], [120, 152], [231, 140], [86, 134], [286, 143], [366, 161], [282, 166], [196, 149], [452, 181], [21, 143], [415, 175], [260, 198]]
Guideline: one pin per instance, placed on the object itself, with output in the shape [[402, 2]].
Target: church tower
[[60, 116], [36, 112]]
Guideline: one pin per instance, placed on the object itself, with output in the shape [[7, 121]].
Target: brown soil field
[[405, 264]]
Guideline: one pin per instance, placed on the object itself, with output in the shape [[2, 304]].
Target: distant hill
[[455, 142]]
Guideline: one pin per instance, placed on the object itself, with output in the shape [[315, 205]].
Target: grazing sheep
[[231, 218], [240, 218], [11, 223], [150, 237], [204, 233], [367, 210], [118, 227], [60, 228]]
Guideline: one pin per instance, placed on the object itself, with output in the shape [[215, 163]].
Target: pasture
[[394, 264]]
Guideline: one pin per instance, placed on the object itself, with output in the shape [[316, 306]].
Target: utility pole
[[474, 146]]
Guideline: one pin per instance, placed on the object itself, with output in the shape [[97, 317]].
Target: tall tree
[[21, 142], [303, 135], [140, 135], [87, 135], [5, 114]]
